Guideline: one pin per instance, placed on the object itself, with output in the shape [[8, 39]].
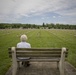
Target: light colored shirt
[[23, 45]]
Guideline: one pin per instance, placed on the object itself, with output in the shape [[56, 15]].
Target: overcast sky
[[38, 11]]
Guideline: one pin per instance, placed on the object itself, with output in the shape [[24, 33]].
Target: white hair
[[23, 38]]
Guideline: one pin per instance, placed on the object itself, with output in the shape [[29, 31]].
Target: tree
[[44, 25]]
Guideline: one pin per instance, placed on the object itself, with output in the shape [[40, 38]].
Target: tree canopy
[[34, 26]]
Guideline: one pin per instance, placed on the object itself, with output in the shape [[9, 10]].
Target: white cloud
[[71, 12], [54, 16], [42, 18], [15, 9]]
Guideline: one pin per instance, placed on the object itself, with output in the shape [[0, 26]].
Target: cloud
[[42, 18], [15, 9], [54, 16]]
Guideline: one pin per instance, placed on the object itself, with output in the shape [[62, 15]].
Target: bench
[[38, 55]]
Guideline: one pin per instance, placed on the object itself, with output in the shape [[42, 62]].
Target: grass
[[38, 39]]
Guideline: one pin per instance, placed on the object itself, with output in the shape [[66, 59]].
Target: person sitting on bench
[[24, 44]]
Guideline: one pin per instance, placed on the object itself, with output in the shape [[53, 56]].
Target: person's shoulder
[[18, 43], [28, 43]]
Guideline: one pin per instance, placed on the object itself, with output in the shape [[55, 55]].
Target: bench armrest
[[14, 61], [62, 61]]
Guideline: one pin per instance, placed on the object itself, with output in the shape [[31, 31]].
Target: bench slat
[[42, 60], [38, 52], [42, 55], [38, 55], [38, 49]]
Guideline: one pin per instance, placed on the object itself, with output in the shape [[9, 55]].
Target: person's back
[[24, 44]]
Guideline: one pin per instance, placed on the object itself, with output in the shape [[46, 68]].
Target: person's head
[[23, 38]]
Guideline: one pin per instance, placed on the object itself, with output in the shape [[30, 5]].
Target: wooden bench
[[38, 55]]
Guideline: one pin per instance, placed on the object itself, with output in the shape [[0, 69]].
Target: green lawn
[[38, 38]]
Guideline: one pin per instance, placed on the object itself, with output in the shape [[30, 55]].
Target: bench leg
[[14, 70], [61, 68]]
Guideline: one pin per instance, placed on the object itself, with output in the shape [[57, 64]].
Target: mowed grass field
[[38, 38]]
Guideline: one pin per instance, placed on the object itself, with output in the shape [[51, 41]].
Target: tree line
[[34, 26]]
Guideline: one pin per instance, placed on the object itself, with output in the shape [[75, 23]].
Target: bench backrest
[[38, 52]]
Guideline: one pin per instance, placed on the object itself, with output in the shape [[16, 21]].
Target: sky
[[38, 11]]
